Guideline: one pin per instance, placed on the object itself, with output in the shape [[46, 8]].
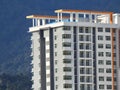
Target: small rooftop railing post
[[71, 17], [84, 17], [38, 21], [76, 17], [95, 20], [33, 22], [60, 17], [43, 21], [90, 18]]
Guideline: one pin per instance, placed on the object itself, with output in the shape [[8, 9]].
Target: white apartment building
[[76, 50]]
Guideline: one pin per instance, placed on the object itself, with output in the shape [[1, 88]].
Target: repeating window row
[[101, 54]]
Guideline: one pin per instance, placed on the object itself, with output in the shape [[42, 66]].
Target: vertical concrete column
[[90, 17], [95, 20], [84, 17], [108, 18], [33, 22], [38, 21], [76, 17], [61, 17], [71, 17], [43, 21], [58, 17]]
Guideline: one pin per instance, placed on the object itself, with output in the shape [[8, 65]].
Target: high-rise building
[[76, 50]]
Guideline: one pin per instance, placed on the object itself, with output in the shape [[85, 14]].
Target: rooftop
[[65, 15]]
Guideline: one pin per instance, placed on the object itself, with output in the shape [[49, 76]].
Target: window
[[101, 70], [88, 70], [82, 78], [87, 30], [56, 70], [56, 86], [81, 38], [55, 37], [82, 62], [66, 36], [66, 61], [88, 54], [108, 70], [54, 29], [81, 30], [67, 86], [109, 86], [81, 46], [88, 63], [108, 54], [100, 37], [100, 29], [114, 54], [88, 79], [88, 46], [55, 53], [66, 28], [107, 37], [107, 30], [66, 44], [100, 45], [56, 78], [66, 52], [89, 87], [101, 86], [82, 70], [101, 78], [108, 79], [114, 38], [108, 46], [55, 45], [67, 69], [100, 62], [81, 54], [55, 61], [67, 77], [82, 86], [108, 62], [88, 38], [101, 54]]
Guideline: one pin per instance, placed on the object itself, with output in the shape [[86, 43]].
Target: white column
[[48, 20], [76, 17], [84, 17], [61, 17], [43, 21], [33, 21], [58, 16], [71, 17], [38, 21], [95, 20], [90, 17], [108, 18]]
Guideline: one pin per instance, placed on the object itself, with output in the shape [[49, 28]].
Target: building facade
[[76, 50]]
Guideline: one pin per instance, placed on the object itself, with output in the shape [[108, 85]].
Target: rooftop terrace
[[73, 16]]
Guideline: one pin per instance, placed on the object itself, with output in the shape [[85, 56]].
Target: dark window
[[66, 28], [66, 36], [67, 77], [100, 29], [107, 30]]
